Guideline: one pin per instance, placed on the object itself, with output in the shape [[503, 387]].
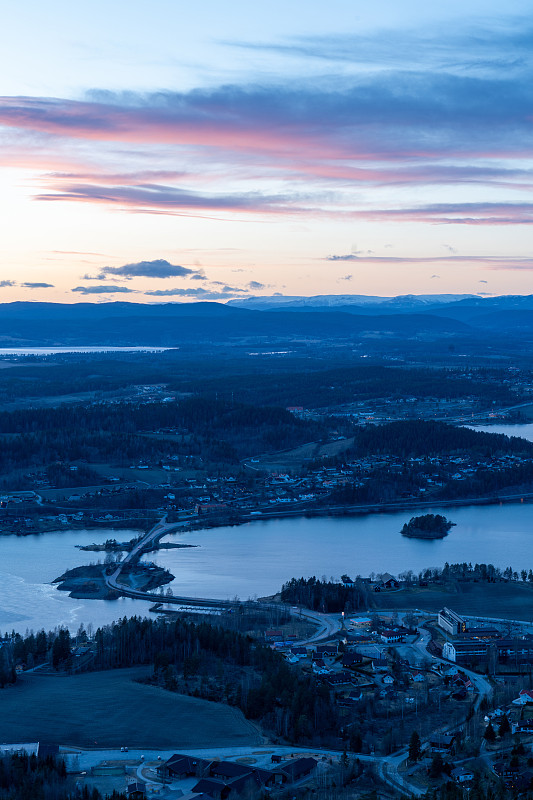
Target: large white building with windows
[[451, 622]]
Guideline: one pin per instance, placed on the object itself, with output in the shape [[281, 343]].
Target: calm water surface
[[525, 431], [255, 559], [28, 564], [52, 351]]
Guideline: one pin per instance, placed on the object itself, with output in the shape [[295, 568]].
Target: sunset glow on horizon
[[161, 154]]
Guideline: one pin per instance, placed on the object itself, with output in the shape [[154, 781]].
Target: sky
[[171, 151]]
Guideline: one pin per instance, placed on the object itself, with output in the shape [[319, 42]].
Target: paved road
[[483, 686], [147, 542], [327, 626], [387, 766]]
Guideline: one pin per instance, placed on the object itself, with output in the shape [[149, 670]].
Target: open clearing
[[109, 709], [296, 458], [500, 600]]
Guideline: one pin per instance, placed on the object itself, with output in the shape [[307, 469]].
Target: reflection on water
[[256, 559], [524, 431], [29, 600], [52, 351]]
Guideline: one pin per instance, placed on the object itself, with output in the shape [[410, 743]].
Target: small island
[[88, 582], [427, 526]]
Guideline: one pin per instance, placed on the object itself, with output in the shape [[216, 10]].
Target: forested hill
[[413, 438], [167, 324], [319, 388], [298, 379], [218, 431]]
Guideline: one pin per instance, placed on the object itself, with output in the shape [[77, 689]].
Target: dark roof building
[[297, 769], [351, 660], [183, 766], [227, 770], [136, 791]]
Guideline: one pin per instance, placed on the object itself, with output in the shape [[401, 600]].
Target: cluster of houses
[[432, 472], [343, 670], [459, 682], [223, 780]]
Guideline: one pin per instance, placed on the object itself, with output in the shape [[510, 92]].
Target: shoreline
[[197, 523]]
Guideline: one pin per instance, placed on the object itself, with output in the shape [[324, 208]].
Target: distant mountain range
[[340, 300], [311, 318]]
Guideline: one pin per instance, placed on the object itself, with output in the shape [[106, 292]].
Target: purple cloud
[[110, 289], [159, 268], [169, 198], [492, 262], [198, 293]]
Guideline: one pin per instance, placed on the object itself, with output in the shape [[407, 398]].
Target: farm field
[[110, 709], [500, 600], [296, 458]]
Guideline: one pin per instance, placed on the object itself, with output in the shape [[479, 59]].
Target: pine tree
[[504, 726], [490, 733], [415, 747]]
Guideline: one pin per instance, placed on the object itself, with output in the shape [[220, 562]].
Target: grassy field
[[501, 600], [295, 459], [109, 709]]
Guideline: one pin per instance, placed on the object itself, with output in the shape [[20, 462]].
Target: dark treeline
[[215, 430], [412, 439], [381, 487], [485, 573], [335, 596], [326, 596], [348, 384], [217, 664], [30, 777], [7, 664], [36, 648], [202, 415], [292, 380], [419, 438]]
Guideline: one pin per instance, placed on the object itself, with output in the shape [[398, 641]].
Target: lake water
[[256, 559], [525, 431], [53, 351], [28, 564]]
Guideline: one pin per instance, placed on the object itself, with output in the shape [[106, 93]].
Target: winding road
[[327, 626]]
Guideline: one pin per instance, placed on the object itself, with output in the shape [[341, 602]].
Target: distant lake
[[256, 559], [525, 431], [52, 351]]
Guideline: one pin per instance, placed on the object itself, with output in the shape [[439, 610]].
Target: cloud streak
[[416, 109], [452, 213], [382, 115], [107, 289], [491, 262], [197, 293], [171, 198], [348, 136]]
